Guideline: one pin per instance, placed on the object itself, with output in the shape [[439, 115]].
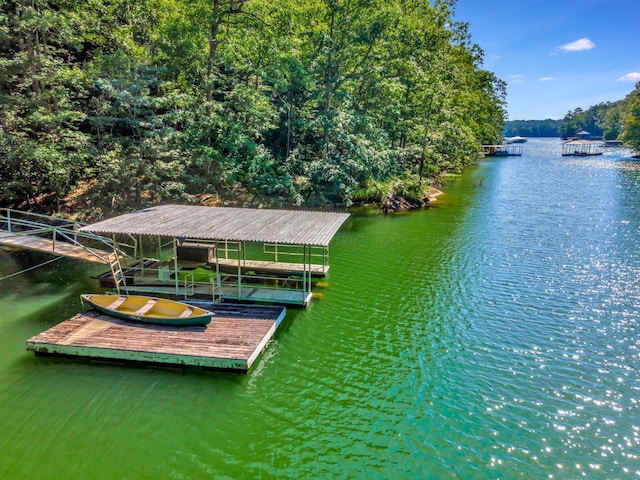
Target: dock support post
[[218, 280], [310, 258], [240, 255], [175, 265], [325, 258], [141, 254], [304, 268]]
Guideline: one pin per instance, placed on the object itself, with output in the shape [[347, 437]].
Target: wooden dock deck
[[232, 341]]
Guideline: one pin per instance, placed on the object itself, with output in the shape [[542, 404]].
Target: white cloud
[[577, 46], [630, 77], [516, 78], [546, 79]]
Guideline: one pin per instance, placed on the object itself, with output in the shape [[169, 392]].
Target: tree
[[533, 128], [298, 102], [42, 148], [631, 133], [138, 156]]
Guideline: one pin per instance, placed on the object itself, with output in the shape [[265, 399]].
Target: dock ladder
[[117, 271]]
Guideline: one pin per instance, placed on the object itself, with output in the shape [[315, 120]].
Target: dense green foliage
[[590, 120], [631, 119], [533, 128], [121, 104], [609, 120]]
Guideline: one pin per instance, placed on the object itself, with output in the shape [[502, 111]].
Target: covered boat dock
[[220, 253], [505, 150], [582, 148]]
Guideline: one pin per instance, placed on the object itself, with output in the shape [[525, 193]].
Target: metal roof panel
[[226, 223]]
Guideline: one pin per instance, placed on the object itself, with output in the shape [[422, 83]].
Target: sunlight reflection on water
[[494, 335]]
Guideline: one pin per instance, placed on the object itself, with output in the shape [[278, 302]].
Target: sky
[[557, 55]]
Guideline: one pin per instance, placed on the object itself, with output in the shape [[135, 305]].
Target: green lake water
[[495, 334]]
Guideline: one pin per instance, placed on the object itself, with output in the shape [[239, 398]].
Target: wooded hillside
[[533, 128], [117, 104], [608, 120]]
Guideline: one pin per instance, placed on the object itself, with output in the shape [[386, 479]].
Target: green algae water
[[495, 334]]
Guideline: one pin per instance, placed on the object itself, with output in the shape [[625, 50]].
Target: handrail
[[277, 251], [68, 229], [188, 284], [282, 283], [87, 248], [37, 215]]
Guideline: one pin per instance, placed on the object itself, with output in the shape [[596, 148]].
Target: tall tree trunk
[[220, 11], [328, 81], [213, 47]]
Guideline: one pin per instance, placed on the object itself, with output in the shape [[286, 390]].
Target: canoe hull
[[153, 310]]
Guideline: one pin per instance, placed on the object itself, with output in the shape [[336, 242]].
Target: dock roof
[[224, 223], [580, 141]]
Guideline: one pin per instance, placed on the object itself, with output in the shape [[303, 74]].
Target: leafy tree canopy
[[533, 128], [112, 105]]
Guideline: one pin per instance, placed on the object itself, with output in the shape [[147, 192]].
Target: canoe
[[154, 310]]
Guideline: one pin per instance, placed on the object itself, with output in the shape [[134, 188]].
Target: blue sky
[[557, 55]]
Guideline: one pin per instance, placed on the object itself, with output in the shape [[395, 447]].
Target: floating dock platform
[[232, 341]]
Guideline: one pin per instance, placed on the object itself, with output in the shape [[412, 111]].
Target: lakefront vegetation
[[111, 105], [533, 128], [608, 121]]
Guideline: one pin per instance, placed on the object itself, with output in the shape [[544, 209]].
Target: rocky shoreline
[[395, 204]]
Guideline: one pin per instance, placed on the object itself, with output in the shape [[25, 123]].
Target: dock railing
[[317, 254], [207, 283], [56, 229], [277, 252], [228, 269]]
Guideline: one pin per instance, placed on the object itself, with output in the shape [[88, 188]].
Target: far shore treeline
[[111, 105], [607, 121]]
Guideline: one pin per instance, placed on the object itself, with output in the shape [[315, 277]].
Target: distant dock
[[506, 150], [582, 148], [231, 342]]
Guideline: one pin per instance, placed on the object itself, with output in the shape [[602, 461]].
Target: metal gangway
[[62, 238]]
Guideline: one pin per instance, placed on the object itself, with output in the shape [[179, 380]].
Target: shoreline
[[434, 193], [400, 204]]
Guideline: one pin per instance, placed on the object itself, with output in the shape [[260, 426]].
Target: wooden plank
[[146, 307], [115, 304], [238, 310], [229, 342]]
